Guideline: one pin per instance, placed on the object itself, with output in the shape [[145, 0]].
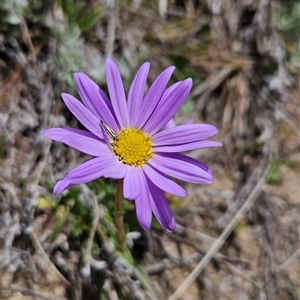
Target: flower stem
[[119, 215]]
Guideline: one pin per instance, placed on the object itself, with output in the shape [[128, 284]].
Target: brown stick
[[119, 215]]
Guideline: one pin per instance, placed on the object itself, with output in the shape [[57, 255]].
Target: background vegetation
[[244, 59]]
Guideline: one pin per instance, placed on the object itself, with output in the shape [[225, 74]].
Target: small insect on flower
[[127, 140], [109, 131]]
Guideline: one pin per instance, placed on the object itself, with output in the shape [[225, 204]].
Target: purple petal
[[167, 93], [85, 172], [163, 182], [116, 92], [181, 167], [170, 124], [84, 116], [189, 121], [187, 147], [95, 99], [164, 112], [184, 134], [132, 183], [153, 95], [73, 130], [142, 205], [81, 140], [61, 186], [190, 160], [117, 170], [136, 93], [161, 208]]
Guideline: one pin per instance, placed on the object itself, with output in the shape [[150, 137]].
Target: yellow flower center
[[133, 147]]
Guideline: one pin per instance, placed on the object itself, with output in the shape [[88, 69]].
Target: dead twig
[[198, 235], [222, 238], [31, 292], [243, 192], [287, 264], [17, 73], [93, 230], [40, 250], [34, 239], [212, 82], [240, 273]]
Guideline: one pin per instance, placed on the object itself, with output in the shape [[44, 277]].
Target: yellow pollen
[[133, 147]]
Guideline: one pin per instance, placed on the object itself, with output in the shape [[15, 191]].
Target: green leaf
[[13, 19], [67, 7], [139, 271], [89, 20], [188, 107], [143, 277], [71, 9], [128, 257], [60, 224], [274, 176]]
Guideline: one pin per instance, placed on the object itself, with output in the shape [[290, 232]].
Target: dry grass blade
[[213, 81], [93, 229], [50, 266], [33, 293], [222, 238]]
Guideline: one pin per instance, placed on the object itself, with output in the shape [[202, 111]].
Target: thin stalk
[[119, 215]]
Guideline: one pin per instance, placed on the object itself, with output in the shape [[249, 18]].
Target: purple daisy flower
[[125, 139]]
